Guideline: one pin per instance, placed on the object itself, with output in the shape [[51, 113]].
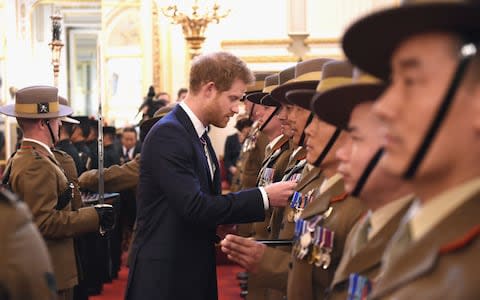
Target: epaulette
[[461, 242], [339, 198], [32, 149]]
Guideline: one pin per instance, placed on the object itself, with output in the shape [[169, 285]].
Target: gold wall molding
[[157, 82], [276, 42], [284, 58], [121, 55]]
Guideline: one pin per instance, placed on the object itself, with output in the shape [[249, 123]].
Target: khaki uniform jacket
[[38, 179], [250, 159], [367, 260], [253, 163], [277, 212], [306, 281], [116, 178], [443, 264], [248, 167], [26, 271], [277, 158], [273, 268], [68, 165]]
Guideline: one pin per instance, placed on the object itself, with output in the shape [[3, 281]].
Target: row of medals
[[312, 242]]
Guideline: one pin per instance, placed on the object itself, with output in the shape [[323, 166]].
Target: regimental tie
[[204, 139]]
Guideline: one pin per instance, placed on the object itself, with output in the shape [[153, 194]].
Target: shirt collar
[[197, 124], [40, 143], [431, 213], [295, 152], [381, 216], [274, 142]]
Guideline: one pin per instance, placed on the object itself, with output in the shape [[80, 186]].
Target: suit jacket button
[[269, 228]]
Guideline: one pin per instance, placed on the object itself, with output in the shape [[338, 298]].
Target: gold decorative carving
[[276, 42]]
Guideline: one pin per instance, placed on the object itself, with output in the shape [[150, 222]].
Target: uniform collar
[[380, 217], [39, 143], [428, 215]]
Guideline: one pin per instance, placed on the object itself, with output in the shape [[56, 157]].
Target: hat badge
[[43, 108]]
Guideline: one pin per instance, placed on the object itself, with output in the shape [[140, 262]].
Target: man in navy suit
[[179, 198]]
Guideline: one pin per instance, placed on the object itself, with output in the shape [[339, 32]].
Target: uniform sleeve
[[116, 178], [37, 186]]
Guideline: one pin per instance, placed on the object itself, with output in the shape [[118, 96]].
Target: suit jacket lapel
[[183, 118]]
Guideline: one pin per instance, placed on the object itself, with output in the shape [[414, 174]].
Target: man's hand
[[245, 252], [279, 192]]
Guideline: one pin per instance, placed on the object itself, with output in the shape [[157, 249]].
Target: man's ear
[[210, 89]]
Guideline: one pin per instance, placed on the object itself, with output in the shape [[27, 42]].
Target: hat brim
[[336, 105], [255, 97], [279, 92], [69, 120], [247, 93], [392, 26], [302, 98], [63, 111], [268, 100], [148, 124]]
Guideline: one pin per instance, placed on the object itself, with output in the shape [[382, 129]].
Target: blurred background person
[[130, 146], [233, 145], [181, 94]]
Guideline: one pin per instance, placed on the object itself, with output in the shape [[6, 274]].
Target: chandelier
[[195, 24]]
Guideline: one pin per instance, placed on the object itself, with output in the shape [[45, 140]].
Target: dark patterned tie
[[205, 140]]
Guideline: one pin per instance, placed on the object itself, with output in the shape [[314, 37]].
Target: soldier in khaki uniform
[[26, 270], [38, 178], [430, 111], [260, 284], [323, 224], [272, 129], [253, 148], [387, 197], [272, 264]]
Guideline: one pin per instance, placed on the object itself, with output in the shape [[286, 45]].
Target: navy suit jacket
[[179, 207]]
